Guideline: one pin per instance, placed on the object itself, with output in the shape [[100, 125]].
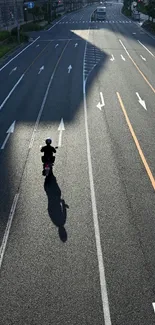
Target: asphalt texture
[[50, 266]]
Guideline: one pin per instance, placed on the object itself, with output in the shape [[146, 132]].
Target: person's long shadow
[[57, 208]]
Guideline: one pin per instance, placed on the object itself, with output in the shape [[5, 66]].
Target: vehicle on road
[[100, 13], [48, 159]]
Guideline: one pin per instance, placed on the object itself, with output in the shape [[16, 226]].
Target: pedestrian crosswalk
[[97, 21]]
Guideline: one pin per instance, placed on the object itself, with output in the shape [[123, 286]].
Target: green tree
[[151, 9]]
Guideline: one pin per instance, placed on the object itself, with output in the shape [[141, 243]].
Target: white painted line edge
[[7, 230], [12, 90], [104, 294], [19, 53]]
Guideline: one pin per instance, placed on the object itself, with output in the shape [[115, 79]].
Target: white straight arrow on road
[[37, 45], [100, 105], [69, 68], [41, 69], [141, 101], [122, 57], [112, 58], [153, 304], [9, 131], [56, 45], [142, 58], [61, 128], [14, 69], [76, 44]]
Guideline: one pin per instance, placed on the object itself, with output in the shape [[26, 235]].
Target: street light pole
[[17, 22]]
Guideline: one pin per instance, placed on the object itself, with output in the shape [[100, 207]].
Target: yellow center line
[[148, 170]]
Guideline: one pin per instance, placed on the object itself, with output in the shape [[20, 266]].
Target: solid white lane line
[[7, 230], [12, 90], [19, 53], [146, 48], [104, 294]]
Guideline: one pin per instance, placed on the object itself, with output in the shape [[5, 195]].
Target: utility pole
[[17, 22]]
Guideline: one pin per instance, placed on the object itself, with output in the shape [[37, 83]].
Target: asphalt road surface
[[79, 249]]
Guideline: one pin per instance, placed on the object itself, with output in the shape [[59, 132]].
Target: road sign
[[29, 5]]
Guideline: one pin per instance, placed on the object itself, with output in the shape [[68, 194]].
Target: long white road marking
[[12, 90], [7, 230], [146, 48], [19, 53], [104, 294]]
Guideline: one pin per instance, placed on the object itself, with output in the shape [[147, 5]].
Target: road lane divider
[[12, 90], [148, 170], [19, 53], [103, 285], [7, 229], [142, 74]]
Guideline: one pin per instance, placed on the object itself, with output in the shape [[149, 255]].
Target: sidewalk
[[143, 18]]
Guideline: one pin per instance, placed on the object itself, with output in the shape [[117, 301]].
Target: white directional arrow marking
[[100, 105], [69, 69], [122, 57], [61, 128], [41, 69], [112, 58], [9, 131], [141, 101], [56, 45], [37, 45], [76, 44], [142, 58], [13, 70], [153, 304]]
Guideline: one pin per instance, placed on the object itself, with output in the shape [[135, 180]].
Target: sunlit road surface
[[79, 249]]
